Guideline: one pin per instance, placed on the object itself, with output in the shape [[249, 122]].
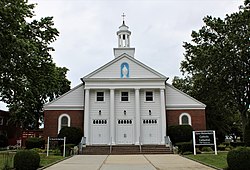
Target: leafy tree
[[28, 76], [218, 62]]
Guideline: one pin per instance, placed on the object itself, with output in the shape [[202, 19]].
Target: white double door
[[124, 131]]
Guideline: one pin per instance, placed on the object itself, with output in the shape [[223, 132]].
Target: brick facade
[[51, 120], [197, 117]]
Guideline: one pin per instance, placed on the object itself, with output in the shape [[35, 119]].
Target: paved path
[[128, 162]]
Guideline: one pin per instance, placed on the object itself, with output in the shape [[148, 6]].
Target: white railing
[[110, 146], [140, 143], [168, 143]]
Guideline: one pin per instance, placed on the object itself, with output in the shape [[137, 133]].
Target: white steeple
[[124, 41]]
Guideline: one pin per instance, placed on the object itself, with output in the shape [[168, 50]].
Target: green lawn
[[219, 161], [44, 159]]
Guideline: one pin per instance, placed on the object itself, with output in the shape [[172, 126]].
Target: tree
[[218, 62], [28, 76]]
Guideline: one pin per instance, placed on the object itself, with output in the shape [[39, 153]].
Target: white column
[[137, 117], [86, 117], [126, 38], [163, 116], [112, 115]]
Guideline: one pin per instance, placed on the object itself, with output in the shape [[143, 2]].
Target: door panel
[[124, 131], [150, 131], [100, 131]]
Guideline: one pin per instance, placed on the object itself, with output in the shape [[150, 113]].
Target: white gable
[[136, 69], [176, 99], [72, 100]]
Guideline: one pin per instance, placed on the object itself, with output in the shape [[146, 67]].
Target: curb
[[211, 166], [44, 167]]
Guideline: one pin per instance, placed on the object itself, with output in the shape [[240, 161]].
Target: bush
[[68, 149], [237, 144], [247, 135], [207, 149], [238, 159], [73, 135], [31, 143], [180, 133], [221, 147], [26, 160], [185, 147]]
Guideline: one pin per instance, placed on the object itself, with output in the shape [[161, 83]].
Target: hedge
[[180, 133], [238, 159], [32, 142], [26, 160], [185, 147]]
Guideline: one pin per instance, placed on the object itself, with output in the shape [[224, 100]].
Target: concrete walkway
[[128, 162]]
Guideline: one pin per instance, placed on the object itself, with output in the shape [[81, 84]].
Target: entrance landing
[[128, 162]]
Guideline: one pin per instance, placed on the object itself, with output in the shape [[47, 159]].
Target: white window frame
[[60, 121], [103, 95], [128, 95], [189, 119], [146, 96]]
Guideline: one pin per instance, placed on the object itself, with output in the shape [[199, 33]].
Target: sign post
[[204, 138], [56, 139]]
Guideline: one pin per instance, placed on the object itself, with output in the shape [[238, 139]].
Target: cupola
[[123, 35]]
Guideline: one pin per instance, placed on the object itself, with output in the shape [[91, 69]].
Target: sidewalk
[[128, 162]]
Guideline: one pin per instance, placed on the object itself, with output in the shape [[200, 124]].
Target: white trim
[[128, 91], [189, 119], [65, 108], [103, 96], [60, 121], [153, 93]]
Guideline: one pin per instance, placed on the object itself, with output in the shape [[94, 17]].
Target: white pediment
[[72, 100], [116, 69], [178, 99]]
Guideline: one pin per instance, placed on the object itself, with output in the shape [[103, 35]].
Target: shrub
[[73, 135], [185, 147], [31, 143], [180, 133], [221, 147], [238, 159], [26, 160], [206, 149], [237, 144], [68, 149], [247, 135]]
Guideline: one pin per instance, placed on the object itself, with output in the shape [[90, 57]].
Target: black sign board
[[56, 139], [204, 138]]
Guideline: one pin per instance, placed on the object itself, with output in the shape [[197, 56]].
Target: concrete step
[[126, 150]]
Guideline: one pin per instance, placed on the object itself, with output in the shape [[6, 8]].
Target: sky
[[159, 28]]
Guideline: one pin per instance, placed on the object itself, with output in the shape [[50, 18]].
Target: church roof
[[177, 99]]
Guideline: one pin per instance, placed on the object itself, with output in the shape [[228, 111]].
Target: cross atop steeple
[[123, 17]]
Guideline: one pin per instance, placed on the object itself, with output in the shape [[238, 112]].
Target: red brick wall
[[51, 120], [197, 117]]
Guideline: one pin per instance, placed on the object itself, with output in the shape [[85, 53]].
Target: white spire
[[124, 41]]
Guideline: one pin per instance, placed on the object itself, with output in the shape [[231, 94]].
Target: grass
[[44, 159], [219, 161]]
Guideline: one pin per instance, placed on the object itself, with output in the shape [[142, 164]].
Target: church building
[[123, 102]]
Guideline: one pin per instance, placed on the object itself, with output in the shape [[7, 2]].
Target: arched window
[[63, 121], [185, 119]]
